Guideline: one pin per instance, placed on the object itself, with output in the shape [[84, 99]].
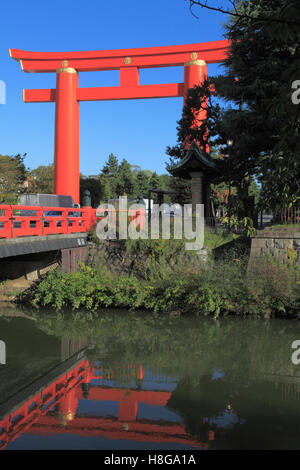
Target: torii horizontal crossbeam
[[109, 93], [149, 57]]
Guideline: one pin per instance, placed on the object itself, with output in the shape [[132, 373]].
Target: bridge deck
[[35, 244]]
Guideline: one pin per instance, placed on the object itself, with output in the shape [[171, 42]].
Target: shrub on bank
[[219, 288]]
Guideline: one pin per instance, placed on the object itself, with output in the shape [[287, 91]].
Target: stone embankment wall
[[282, 244], [114, 256]]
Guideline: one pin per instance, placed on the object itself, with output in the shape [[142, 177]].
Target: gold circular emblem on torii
[[194, 55], [64, 63], [127, 60]]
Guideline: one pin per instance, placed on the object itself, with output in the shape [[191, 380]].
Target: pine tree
[[259, 115], [125, 179]]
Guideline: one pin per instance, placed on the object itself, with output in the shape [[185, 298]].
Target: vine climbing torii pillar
[[67, 94]]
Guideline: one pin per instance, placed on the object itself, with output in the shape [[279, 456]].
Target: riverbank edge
[[173, 291], [173, 295]]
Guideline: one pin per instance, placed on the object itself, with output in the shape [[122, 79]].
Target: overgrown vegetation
[[142, 257], [217, 288]]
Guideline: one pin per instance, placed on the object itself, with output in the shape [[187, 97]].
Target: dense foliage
[[221, 287], [119, 178], [258, 115], [12, 178], [41, 179], [114, 179]]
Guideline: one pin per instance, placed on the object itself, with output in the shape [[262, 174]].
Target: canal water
[[120, 380]]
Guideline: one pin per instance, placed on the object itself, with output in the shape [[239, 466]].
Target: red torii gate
[[66, 65]]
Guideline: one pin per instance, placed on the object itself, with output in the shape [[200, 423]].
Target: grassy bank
[[218, 288]]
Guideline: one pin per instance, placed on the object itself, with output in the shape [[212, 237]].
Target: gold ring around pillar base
[[66, 69], [195, 62]]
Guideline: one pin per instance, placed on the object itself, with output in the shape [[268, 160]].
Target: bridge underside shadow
[[31, 257]]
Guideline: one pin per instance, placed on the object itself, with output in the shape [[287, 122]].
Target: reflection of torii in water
[[54, 410]]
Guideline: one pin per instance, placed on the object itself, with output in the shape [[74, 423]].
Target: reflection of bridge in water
[[80, 397], [55, 408]]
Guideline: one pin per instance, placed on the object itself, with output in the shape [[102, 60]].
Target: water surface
[[119, 380]]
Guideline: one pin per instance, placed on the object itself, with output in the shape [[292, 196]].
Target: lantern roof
[[195, 160]]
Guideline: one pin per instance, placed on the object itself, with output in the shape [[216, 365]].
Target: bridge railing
[[5, 221], [138, 217], [25, 221]]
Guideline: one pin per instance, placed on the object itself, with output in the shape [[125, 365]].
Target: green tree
[[111, 167], [106, 189], [254, 190], [95, 187], [154, 183], [265, 58], [43, 179], [13, 175], [142, 181], [258, 115], [109, 176], [125, 179]]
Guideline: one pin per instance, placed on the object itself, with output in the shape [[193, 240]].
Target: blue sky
[[138, 130]]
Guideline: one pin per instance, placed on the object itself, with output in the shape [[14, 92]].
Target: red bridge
[[31, 229]]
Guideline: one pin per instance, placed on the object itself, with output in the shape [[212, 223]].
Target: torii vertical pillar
[[195, 73], [66, 146]]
